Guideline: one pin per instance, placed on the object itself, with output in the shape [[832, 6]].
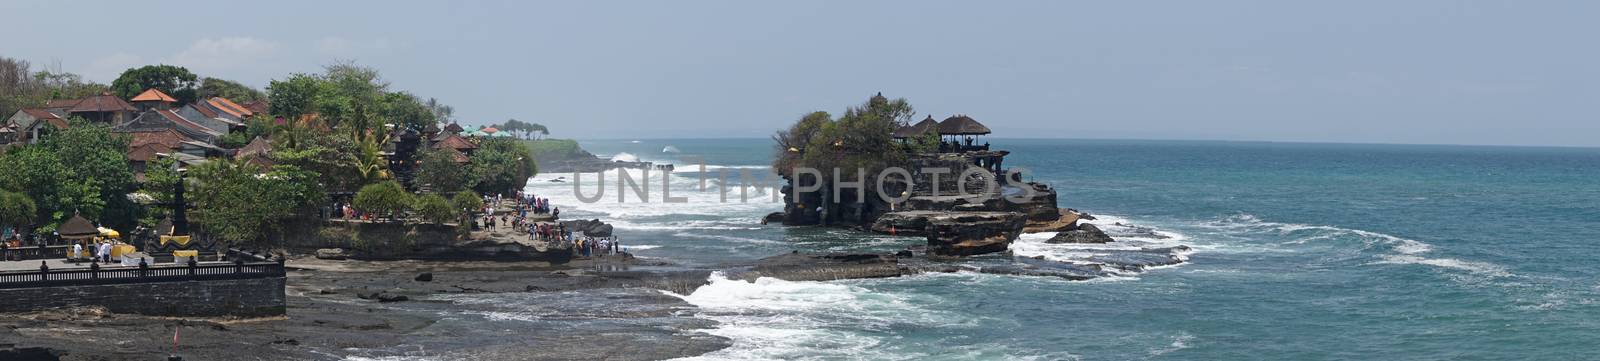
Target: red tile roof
[[256, 106], [228, 106], [258, 147], [101, 103], [153, 95], [454, 142], [62, 103], [47, 117], [147, 152], [181, 121], [165, 137]]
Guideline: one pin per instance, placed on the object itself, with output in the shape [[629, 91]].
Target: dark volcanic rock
[[972, 233], [774, 217], [820, 267], [425, 277], [904, 223], [1086, 233]]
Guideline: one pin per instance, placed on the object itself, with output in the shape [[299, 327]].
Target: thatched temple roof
[[962, 125]]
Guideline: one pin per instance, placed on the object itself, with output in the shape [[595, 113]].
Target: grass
[[554, 148]]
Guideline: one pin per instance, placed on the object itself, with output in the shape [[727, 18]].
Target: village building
[[152, 99], [25, 126], [103, 108]]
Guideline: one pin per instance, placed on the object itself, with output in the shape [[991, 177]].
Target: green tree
[[466, 201], [160, 178], [329, 156], [405, 110], [239, 93], [439, 171], [174, 80], [501, 166], [385, 198], [18, 211], [237, 203], [39, 174], [351, 98], [790, 145], [99, 161], [292, 99], [21, 87], [434, 208]]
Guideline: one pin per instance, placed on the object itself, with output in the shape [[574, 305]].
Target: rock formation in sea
[[959, 216]]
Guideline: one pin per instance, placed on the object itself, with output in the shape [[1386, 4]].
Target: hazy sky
[[1460, 72]]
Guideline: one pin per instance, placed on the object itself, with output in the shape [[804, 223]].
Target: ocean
[[1299, 251]]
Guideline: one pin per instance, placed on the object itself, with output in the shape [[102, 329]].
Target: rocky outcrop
[[904, 223], [820, 267], [592, 227], [972, 233], [332, 254], [1086, 233], [774, 217]]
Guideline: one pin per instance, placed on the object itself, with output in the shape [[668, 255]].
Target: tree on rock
[[501, 166], [385, 198], [173, 80]]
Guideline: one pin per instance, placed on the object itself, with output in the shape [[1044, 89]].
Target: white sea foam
[[772, 319], [1129, 236], [1401, 250], [1483, 268]]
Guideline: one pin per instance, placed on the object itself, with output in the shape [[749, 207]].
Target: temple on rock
[[962, 196]]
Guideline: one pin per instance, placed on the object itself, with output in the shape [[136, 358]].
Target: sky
[[1420, 72]]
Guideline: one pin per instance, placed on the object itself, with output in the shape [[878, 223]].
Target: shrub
[[383, 198], [434, 208]]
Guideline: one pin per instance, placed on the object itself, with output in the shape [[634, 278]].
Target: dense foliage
[[385, 198], [236, 202], [22, 87], [434, 208], [501, 166], [82, 169], [860, 139], [238, 93], [438, 170], [16, 210], [176, 81]]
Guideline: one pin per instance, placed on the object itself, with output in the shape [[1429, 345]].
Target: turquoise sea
[[1300, 251]]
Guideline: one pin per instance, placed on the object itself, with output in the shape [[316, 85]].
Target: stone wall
[[256, 297]]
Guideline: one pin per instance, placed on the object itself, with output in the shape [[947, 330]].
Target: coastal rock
[[972, 233], [1086, 233], [774, 217], [904, 223], [332, 254], [820, 267], [425, 277], [592, 227]]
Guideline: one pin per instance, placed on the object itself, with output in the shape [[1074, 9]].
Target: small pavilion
[[959, 134]]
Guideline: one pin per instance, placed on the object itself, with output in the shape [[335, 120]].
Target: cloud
[[220, 55]]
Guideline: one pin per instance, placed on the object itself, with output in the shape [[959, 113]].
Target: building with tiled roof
[[159, 119], [103, 108], [26, 124], [152, 99]]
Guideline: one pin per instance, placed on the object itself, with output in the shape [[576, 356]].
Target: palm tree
[[369, 161]]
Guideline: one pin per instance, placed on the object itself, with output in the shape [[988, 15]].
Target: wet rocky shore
[[614, 307]]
